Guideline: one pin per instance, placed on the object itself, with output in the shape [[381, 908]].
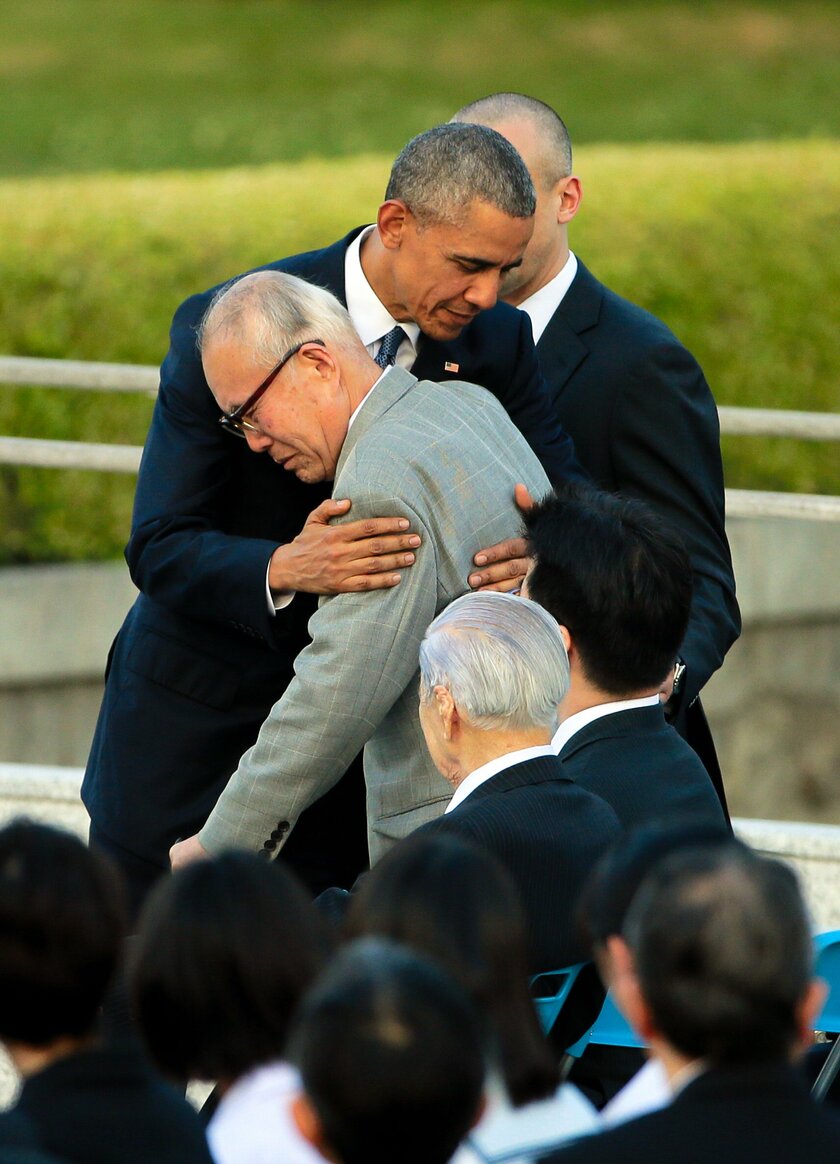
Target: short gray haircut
[[271, 311], [556, 151], [442, 171], [501, 658]]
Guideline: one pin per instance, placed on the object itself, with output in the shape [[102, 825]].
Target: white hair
[[271, 311], [502, 659]]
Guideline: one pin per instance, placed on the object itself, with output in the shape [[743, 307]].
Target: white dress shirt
[[543, 303], [492, 767], [253, 1123], [571, 726], [370, 317], [520, 1135]]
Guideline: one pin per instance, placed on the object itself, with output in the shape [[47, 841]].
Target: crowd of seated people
[[409, 1032], [395, 1020]]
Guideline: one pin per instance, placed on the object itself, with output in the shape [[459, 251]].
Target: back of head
[[455, 903], [442, 171], [618, 578], [498, 109], [271, 311], [501, 658], [225, 950], [390, 1055], [61, 931], [723, 954], [616, 878]]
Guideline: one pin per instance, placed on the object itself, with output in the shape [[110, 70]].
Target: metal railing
[[77, 374]]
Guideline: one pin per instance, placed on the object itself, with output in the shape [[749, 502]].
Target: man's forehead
[[487, 233]]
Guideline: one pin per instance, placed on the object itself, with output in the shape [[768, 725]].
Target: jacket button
[[271, 845]]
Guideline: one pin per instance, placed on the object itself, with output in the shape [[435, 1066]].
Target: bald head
[[542, 140], [551, 138]]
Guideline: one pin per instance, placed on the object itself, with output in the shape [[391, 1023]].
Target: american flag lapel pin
[[450, 367]]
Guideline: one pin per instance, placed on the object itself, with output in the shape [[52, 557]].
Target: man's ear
[[479, 1112], [318, 360], [448, 712], [808, 1011], [624, 985], [568, 193], [567, 639], [307, 1123], [391, 221]]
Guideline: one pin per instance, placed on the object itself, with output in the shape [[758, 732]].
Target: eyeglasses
[[234, 422]]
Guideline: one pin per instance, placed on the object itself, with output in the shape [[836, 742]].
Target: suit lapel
[[391, 388], [561, 349]]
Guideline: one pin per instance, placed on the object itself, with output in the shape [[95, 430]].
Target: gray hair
[[440, 172], [556, 151], [501, 658], [271, 311], [722, 943]]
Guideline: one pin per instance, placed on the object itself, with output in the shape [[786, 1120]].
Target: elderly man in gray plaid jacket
[[446, 457]]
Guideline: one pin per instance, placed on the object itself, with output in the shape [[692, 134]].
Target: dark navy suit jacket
[[640, 765], [548, 833], [726, 1116], [199, 660], [645, 424]]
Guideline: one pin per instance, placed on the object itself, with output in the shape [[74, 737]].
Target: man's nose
[[483, 291], [258, 442]]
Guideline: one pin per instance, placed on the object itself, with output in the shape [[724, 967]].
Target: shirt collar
[[543, 303], [492, 768], [370, 317], [571, 726], [365, 398]]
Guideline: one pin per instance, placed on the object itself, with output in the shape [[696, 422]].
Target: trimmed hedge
[[734, 246], [156, 84]]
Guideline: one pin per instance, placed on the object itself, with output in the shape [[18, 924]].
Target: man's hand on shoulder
[[185, 852], [504, 565], [343, 559]]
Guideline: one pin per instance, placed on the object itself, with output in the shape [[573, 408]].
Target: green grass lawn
[[129, 85], [733, 245]]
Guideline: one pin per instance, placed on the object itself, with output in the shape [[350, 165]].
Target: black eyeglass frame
[[234, 422]]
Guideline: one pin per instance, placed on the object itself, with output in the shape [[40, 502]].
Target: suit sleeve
[[665, 445], [363, 654], [526, 397], [178, 553]]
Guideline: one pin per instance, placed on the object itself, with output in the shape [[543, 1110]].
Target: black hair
[[62, 924], [723, 953], [224, 952], [457, 904], [617, 577], [614, 881], [390, 1055]]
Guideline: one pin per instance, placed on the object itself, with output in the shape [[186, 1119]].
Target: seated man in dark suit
[[221, 540], [618, 582], [492, 672], [722, 990], [61, 932], [633, 399]]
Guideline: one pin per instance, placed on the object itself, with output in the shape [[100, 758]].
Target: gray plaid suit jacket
[[447, 457]]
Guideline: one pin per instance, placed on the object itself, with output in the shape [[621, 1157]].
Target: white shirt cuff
[[276, 601]]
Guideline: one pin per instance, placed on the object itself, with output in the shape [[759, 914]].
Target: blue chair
[[550, 990], [827, 967], [612, 1029]]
